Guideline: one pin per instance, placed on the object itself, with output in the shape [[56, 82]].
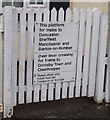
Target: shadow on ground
[[68, 108]]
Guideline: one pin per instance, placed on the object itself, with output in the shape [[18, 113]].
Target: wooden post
[[7, 61]]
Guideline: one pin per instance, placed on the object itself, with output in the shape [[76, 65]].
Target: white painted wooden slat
[[75, 15], [36, 87], [64, 90], [36, 93], [65, 84], [80, 53], [58, 85], [51, 85], [22, 55], [108, 66], [107, 98], [72, 84], [68, 15], [71, 89], [101, 58], [7, 60], [14, 58], [43, 86], [53, 15], [30, 55], [43, 92], [57, 91], [87, 53], [46, 15], [94, 50], [61, 15], [1, 60], [50, 92]]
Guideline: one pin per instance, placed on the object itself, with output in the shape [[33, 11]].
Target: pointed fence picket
[[22, 55], [72, 84], [51, 85], [58, 85], [80, 53], [65, 84], [30, 55], [37, 87], [90, 59], [94, 52], [87, 53]]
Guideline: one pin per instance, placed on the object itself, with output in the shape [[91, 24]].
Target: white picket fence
[[91, 74]]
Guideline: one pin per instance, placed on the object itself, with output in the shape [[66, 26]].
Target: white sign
[[55, 52]]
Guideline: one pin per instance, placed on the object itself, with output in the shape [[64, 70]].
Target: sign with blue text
[[55, 52]]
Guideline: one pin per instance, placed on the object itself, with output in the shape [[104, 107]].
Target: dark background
[[58, 3]]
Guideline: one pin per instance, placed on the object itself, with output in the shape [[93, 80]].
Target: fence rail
[[18, 59]]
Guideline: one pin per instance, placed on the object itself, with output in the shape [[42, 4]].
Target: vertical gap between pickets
[[57, 14], [47, 92], [32, 72], [82, 62], [34, 22], [18, 17], [54, 93], [81, 88], [74, 91], [17, 98], [50, 16], [32, 96], [18, 73], [26, 16], [25, 79], [82, 74], [34, 36], [42, 17], [25, 97], [68, 91], [105, 75], [61, 92], [106, 55], [65, 15], [26, 21], [26, 28], [40, 95], [34, 17]]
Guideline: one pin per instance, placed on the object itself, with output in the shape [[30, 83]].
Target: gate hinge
[[1, 107]]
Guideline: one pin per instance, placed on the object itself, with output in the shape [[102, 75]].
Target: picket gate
[[91, 77]]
